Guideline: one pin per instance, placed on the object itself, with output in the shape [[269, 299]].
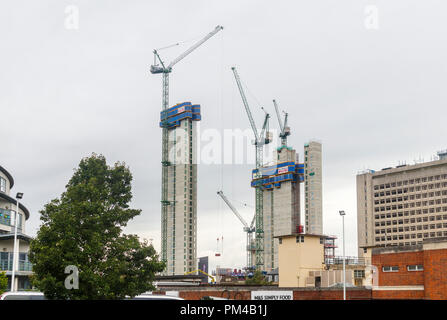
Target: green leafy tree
[[3, 282], [257, 279], [83, 228]]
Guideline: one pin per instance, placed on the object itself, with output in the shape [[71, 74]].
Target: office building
[[402, 206]]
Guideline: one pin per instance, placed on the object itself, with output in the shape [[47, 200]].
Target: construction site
[[278, 186]]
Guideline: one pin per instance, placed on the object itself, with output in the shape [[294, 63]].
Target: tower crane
[[248, 229], [285, 130], [166, 70], [260, 140]]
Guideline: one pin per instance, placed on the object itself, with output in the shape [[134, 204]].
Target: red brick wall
[[303, 294], [229, 294], [398, 294], [435, 271], [402, 260], [331, 294]]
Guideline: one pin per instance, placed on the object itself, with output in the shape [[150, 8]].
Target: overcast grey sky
[[373, 97]]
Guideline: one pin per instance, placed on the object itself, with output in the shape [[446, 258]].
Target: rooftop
[[403, 168], [305, 234], [411, 248]]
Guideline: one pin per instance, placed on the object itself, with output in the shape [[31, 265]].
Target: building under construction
[[179, 171], [313, 187], [180, 228], [280, 184]]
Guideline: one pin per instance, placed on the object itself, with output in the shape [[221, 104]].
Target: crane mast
[[285, 130], [260, 140], [248, 229], [155, 69]]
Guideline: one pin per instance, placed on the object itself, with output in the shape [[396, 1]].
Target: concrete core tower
[[180, 231], [281, 188], [313, 192]]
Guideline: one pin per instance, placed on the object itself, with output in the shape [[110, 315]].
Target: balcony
[[25, 266], [6, 262], [351, 261], [5, 265]]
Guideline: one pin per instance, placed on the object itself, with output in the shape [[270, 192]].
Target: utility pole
[[342, 213], [15, 257]]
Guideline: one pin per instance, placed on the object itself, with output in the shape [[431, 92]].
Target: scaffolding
[[329, 249]]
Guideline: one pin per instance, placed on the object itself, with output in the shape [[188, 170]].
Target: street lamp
[[15, 254], [342, 213]]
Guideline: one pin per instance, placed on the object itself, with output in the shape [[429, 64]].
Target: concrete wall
[[313, 188], [8, 246], [296, 259], [329, 277], [365, 221], [182, 186]]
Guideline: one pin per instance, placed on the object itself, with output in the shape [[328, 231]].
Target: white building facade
[[8, 208]]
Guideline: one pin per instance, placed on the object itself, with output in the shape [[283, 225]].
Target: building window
[[280, 241], [359, 274], [2, 185], [5, 217], [417, 267], [390, 269]]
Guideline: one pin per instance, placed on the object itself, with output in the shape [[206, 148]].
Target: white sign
[[181, 109], [272, 295], [283, 170]]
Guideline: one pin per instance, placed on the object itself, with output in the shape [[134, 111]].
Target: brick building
[[411, 272]]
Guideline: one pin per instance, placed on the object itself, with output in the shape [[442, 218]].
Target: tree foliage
[[83, 228], [257, 279], [3, 282]]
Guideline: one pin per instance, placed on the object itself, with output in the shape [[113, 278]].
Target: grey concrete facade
[[281, 211], [182, 186], [402, 206], [313, 187]]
